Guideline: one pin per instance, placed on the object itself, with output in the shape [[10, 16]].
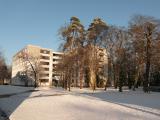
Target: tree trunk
[[69, 85], [148, 55], [136, 78], [69, 79], [35, 77], [105, 86], [92, 79], [116, 76], [81, 78], [120, 81], [2, 81], [109, 73], [129, 80]]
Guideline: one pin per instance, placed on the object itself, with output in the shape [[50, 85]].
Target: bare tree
[[108, 42], [116, 42], [5, 72], [33, 69], [144, 30]]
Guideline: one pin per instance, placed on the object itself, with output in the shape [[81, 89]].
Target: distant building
[[43, 60]]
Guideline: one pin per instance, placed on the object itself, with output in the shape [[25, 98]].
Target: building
[[43, 61]]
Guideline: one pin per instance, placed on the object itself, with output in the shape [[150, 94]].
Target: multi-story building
[[43, 61]]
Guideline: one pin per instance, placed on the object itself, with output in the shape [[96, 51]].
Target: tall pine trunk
[[148, 56], [92, 79]]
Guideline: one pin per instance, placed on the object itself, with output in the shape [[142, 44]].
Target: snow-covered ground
[[56, 104], [7, 89], [147, 102]]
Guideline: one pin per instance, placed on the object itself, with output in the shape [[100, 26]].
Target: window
[[44, 51], [54, 66], [44, 69], [44, 63], [43, 80], [101, 54], [44, 57], [101, 60], [54, 60], [55, 74], [44, 75], [57, 55]]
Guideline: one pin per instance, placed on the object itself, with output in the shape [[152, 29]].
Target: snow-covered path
[[55, 104]]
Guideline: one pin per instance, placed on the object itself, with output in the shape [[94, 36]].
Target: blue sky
[[37, 22]]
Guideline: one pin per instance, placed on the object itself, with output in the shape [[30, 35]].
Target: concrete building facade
[[43, 61]]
